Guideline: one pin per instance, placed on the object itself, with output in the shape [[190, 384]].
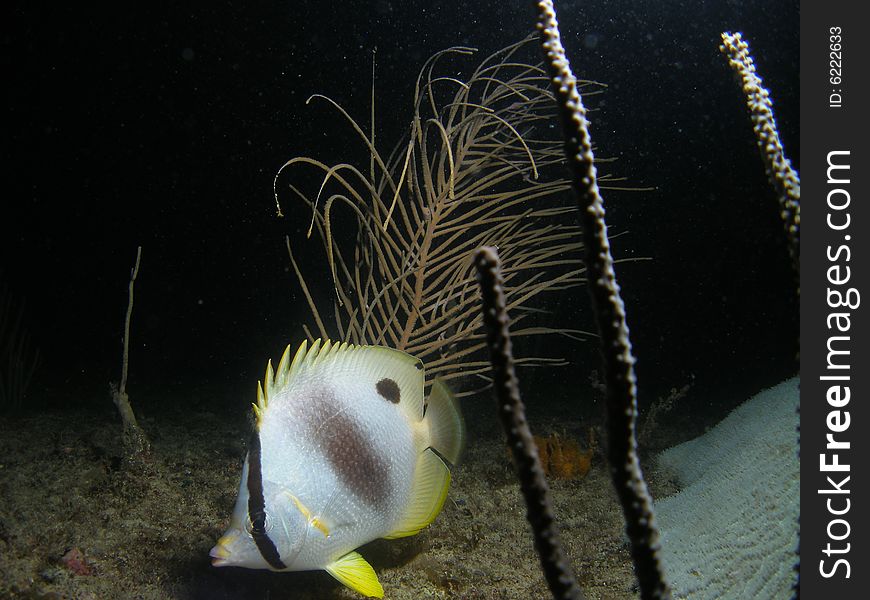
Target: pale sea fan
[[481, 164]]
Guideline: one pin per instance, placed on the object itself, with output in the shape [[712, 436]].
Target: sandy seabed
[[77, 523]]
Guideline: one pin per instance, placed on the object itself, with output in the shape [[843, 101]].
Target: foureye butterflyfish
[[345, 451]]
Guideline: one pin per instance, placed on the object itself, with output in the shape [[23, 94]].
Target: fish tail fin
[[442, 443], [445, 422], [428, 493]]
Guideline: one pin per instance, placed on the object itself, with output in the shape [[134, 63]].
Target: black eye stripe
[[257, 507], [258, 524]]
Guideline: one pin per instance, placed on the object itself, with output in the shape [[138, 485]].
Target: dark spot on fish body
[[389, 389]]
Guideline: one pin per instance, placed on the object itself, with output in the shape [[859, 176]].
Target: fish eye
[[259, 525]]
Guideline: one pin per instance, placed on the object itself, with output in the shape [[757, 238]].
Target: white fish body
[[342, 455]]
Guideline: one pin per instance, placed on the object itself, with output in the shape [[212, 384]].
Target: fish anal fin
[[429, 491], [353, 571]]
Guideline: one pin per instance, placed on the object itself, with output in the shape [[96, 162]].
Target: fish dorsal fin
[[394, 373], [353, 571], [396, 376]]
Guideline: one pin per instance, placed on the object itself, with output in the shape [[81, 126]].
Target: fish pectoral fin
[[314, 521], [353, 571], [320, 526], [428, 493]]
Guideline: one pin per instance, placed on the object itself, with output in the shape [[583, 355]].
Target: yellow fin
[[353, 571], [374, 364], [268, 382], [260, 406], [275, 380], [283, 366], [312, 353], [300, 355], [445, 423], [429, 491]]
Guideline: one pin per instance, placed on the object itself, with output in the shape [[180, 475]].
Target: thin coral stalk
[[135, 441], [784, 179], [512, 413], [610, 316]]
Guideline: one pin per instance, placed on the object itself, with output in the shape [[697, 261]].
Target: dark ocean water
[[165, 125]]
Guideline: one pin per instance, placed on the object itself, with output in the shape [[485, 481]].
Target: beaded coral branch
[[512, 414], [782, 176], [610, 314]]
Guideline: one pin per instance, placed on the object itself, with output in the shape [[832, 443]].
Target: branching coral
[[479, 166]]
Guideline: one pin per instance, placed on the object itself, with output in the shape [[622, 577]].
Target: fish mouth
[[220, 554]]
